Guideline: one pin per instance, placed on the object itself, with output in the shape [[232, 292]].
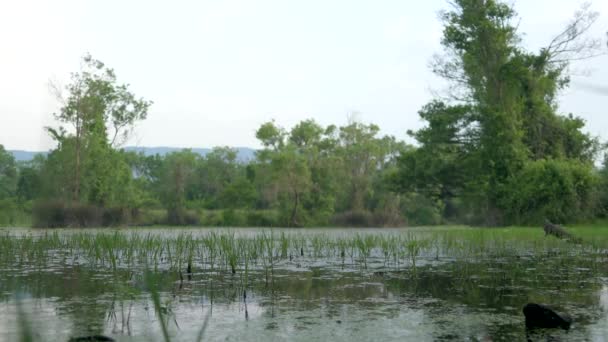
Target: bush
[[113, 217], [212, 218], [561, 191], [239, 218], [83, 215], [58, 214], [384, 218], [420, 210], [181, 217], [262, 218], [353, 218], [10, 213], [149, 217], [233, 218], [49, 214], [388, 211]]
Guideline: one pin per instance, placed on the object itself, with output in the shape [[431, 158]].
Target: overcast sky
[[218, 69]]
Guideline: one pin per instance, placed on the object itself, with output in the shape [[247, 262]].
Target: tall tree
[[502, 109], [288, 166], [362, 153], [177, 175], [95, 102]]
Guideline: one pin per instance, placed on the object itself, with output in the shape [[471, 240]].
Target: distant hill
[[244, 154], [24, 155]]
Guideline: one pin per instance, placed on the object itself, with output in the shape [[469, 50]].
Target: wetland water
[[298, 285]]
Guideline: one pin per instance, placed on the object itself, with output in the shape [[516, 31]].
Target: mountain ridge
[[244, 154]]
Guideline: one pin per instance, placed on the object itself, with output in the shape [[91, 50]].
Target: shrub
[[191, 218], [49, 214], [233, 218], [385, 218], [388, 211], [9, 212], [262, 218], [558, 190], [181, 217], [420, 210], [353, 218], [57, 214], [83, 215], [149, 217], [212, 218], [113, 217]]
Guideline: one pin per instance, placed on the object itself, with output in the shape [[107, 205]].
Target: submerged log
[[543, 316]]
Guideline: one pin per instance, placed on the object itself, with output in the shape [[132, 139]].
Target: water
[[308, 298]]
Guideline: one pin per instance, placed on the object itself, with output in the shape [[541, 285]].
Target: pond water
[[313, 285]]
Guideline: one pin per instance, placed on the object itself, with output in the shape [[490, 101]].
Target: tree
[[317, 145], [30, 181], [271, 135], [501, 109], [176, 175], [95, 103], [557, 190], [289, 169], [215, 172], [306, 134], [362, 154], [8, 187], [8, 174]]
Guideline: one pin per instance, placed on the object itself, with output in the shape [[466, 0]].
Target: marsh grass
[[244, 261], [224, 251]]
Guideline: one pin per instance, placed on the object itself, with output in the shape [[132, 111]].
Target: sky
[[216, 70]]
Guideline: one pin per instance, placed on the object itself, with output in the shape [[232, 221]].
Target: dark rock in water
[[92, 338], [543, 316]]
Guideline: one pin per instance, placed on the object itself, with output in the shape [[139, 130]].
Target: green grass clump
[[226, 251]]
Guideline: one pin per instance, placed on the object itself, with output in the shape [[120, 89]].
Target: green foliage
[[558, 190], [96, 102], [421, 210], [502, 127], [30, 182], [175, 179], [101, 112], [8, 212], [85, 181], [271, 135], [262, 218], [240, 193], [8, 174], [313, 172], [603, 189], [233, 218], [13, 210]]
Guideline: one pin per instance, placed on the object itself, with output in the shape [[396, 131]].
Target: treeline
[[494, 151], [307, 176]]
